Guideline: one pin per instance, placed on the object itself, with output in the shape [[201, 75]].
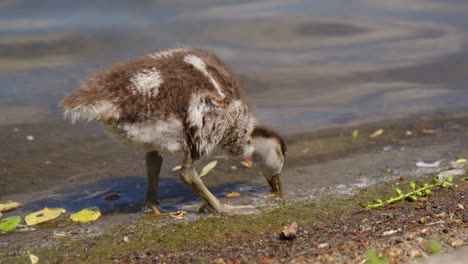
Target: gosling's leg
[[153, 163], [190, 177]]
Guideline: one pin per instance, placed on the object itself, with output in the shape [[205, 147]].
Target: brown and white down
[[177, 100]]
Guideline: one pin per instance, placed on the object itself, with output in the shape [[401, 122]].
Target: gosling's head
[[269, 151]]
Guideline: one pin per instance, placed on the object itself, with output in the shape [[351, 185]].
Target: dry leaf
[[43, 215], [377, 133], [428, 165], [86, 215], [178, 214], [232, 195], [290, 232], [176, 168], [429, 131], [34, 259], [208, 167], [9, 206]]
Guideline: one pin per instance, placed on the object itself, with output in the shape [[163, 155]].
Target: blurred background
[[305, 65]]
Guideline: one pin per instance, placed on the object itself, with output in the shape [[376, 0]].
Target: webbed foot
[[151, 206]]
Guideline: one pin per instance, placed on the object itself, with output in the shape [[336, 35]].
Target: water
[[305, 65]]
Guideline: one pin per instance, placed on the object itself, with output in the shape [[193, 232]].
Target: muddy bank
[[327, 176]]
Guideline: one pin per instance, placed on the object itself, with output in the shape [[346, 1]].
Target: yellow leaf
[[246, 164], [178, 214], [355, 133], [377, 133], [176, 168], [43, 215], [9, 206], [208, 167], [86, 215], [459, 161], [34, 259]]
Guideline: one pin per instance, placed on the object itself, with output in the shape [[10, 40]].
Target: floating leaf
[[355, 133], [418, 193], [9, 206], [428, 192], [435, 180], [412, 198], [9, 223], [33, 258], [377, 133], [43, 215], [412, 185], [86, 215], [176, 168], [178, 214], [208, 167]]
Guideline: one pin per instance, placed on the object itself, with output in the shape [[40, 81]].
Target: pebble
[[450, 173], [30, 138], [422, 220], [125, 239]]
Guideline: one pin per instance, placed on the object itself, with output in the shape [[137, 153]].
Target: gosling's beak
[[275, 184]]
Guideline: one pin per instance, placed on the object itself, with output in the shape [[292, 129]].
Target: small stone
[[441, 215], [445, 230], [422, 220], [460, 207], [457, 243], [323, 245], [30, 138], [125, 239], [233, 167], [290, 232]]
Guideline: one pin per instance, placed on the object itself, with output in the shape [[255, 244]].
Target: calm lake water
[[305, 65]]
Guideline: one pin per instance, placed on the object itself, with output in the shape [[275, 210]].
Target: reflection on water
[[306, 65]]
